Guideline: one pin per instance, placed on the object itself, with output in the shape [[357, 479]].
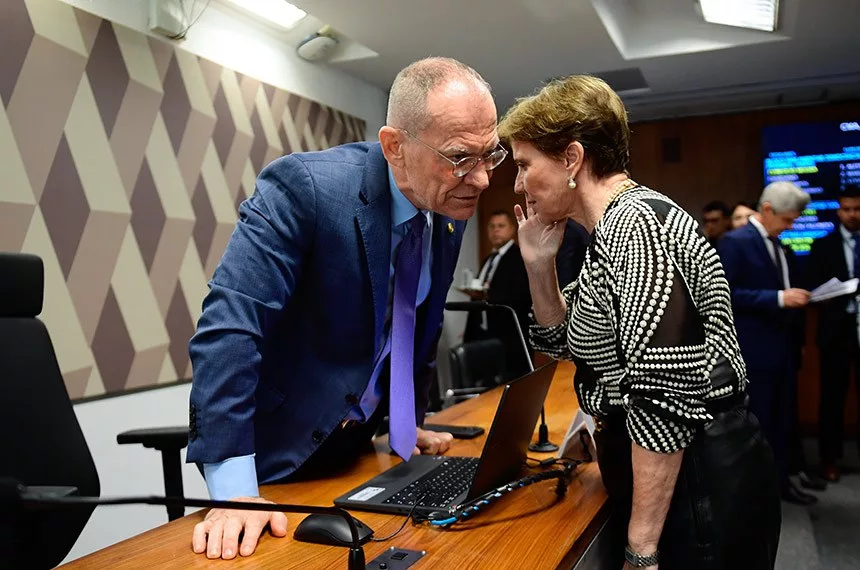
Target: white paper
[[366, 493], [834, 288], [572, 446]]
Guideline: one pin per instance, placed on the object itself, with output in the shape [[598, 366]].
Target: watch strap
[[637, 560]]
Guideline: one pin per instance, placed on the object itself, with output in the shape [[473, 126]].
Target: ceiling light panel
[[279, 12], [752, 14]]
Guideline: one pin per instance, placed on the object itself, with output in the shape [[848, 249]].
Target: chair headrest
[[22, 285]]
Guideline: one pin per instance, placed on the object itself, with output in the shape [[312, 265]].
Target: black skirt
[[725, 512]]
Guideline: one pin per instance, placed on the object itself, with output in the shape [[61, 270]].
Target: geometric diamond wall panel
[[125, 159]]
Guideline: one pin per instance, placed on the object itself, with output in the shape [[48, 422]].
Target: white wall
[[130, 469]]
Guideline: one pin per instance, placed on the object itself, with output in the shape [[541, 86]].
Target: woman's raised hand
[[538, 242]]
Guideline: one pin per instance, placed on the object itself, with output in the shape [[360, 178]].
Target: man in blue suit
[[325, 311], [769, 318]]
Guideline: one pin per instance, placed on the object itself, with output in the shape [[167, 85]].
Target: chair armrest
[[160, 438]]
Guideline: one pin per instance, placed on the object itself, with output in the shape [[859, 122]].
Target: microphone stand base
[[543, 447], [543, 444]]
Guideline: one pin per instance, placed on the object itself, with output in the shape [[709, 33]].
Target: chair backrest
[[42, 442], [478, 364]]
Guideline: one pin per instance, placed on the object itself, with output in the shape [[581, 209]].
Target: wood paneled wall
[[499, 196], [720, 156], [717, 157]]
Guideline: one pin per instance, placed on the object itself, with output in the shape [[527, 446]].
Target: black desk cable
[[409, 516]]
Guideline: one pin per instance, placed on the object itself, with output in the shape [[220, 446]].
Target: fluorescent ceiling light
[[754, 14], [278, 12]]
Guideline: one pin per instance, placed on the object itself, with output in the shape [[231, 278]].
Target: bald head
[[407, 101]]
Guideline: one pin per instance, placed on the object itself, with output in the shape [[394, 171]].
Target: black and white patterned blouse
[[649, 322]]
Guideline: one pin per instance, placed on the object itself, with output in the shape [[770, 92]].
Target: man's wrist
[[231, 478], [641, 547]]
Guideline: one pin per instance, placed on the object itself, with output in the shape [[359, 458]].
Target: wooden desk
[[529, 528]]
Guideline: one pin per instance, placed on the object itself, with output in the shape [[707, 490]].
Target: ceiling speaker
[[316, 47]]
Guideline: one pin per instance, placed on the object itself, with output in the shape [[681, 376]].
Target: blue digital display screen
[[821, 158]]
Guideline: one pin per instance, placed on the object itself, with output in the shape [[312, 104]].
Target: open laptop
[[445, 481]]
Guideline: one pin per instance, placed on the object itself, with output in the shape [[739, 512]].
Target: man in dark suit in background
[[837, 255], [325, 310], [716, 221], [769, 318], [504, 276]]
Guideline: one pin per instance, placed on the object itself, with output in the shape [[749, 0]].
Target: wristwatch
[[636, 560]]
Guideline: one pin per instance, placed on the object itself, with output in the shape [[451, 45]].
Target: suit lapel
[[764, 255], [374, 223]]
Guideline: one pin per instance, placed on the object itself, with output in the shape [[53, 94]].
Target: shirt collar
[[504, 249], [757, 225], [402, 210], [846, 235]]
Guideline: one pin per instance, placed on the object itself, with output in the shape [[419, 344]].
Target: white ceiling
[[690, 66]]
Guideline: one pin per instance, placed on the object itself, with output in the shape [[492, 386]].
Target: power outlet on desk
[[396, 559]]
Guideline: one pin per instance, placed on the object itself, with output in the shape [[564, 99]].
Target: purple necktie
[[401, 409]]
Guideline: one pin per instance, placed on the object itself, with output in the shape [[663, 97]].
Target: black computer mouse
[[332, 530]]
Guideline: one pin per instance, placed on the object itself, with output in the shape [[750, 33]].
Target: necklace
[[621, 187]]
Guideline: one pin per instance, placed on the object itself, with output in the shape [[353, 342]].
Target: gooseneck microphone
[[543, 444], [14, 494]]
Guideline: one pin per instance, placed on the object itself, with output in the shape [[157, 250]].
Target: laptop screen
[[512, 430]]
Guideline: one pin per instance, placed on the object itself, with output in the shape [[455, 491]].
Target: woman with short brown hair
[[649, 325]]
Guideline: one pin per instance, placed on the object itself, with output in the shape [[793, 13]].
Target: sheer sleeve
[[553, 340], [660, 336]]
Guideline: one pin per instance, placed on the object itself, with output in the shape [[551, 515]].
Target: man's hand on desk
[[218, 534], [432, 443]]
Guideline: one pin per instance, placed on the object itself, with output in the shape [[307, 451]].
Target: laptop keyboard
[[440, 486]]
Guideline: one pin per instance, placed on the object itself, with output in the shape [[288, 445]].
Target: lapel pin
[[450, 228]]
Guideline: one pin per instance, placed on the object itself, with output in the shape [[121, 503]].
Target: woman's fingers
[[518, 212]]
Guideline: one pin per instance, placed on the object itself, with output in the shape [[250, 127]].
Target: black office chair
[[169, 441], [475, 368], [42, 443]]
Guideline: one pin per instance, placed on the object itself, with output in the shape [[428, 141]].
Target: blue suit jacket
[[770, 337], [291, 326]]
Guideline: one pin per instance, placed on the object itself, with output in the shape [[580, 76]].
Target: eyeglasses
[[465, 165]]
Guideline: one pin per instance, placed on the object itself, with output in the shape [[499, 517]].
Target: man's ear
[[391, 140], [574, 157]]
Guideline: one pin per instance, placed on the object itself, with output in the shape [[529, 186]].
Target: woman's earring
[[571, 183]]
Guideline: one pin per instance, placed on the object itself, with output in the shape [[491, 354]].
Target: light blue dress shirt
[[237, 476]]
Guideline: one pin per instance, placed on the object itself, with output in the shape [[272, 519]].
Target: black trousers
[[725, 512], [773, 401], [836, 373]]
